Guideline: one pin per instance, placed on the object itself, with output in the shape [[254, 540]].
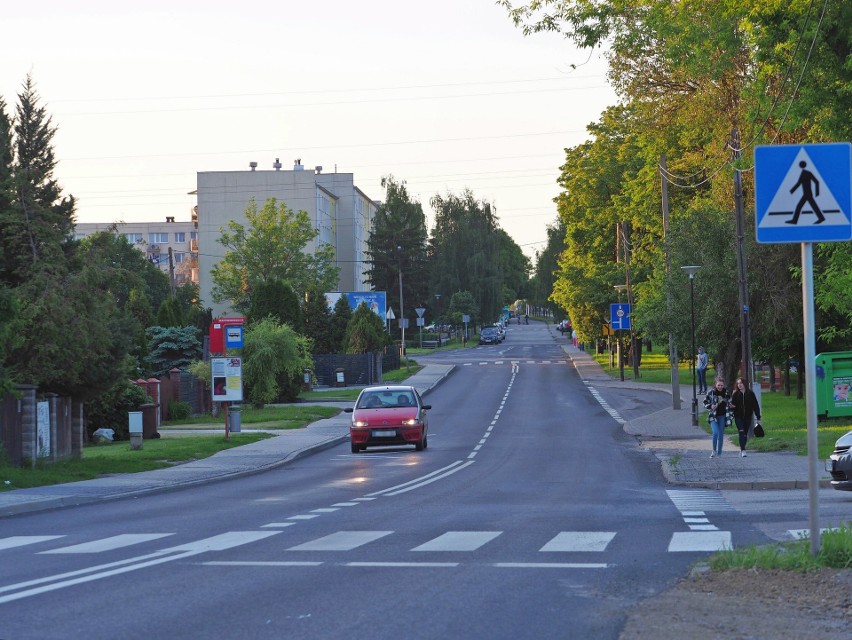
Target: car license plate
[[384, 433]]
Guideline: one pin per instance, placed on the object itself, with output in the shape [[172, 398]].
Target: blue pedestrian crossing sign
[[619, 316], [802, 193]]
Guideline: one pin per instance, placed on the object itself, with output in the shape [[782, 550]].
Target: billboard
[[376, 301]]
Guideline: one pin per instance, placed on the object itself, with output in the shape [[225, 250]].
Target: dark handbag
[[758, 430]]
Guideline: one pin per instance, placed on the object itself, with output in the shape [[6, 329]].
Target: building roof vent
[[318, 168], [253, 165], [297, 165], [170, 218], [276, 165]]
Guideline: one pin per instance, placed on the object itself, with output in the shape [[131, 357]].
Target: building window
[[180, 236], [134, 238], [179, 256], [154, 258], [193, 235], [323, 221], [158, 238]]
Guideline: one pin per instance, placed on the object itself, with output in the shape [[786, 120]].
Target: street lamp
[[691, 270], [401, 308], [620, 288]]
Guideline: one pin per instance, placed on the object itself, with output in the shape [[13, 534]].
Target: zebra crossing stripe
[[341, 541], [459, 541], [700, 541], [21, 541], [108, 544], [690, 500], [582, 541]]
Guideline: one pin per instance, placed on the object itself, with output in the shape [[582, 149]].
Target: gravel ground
[[746, 604]]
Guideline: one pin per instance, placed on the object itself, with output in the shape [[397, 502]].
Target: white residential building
[[155, 239], [339, 210]]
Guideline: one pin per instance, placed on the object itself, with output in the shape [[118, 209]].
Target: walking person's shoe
[[712, 454], [743, 454]]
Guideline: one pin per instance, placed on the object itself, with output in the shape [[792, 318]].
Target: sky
[[444, 95]]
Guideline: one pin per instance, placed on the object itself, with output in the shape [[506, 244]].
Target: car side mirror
[[426, 407], [348, 410]]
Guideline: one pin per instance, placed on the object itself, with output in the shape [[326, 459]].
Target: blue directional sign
[[802, 192], [619, 316]]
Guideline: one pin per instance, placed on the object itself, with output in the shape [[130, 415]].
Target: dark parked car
[[489, 335], [389, 415], [839, 463]]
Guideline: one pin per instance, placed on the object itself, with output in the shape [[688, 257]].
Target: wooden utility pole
[[673, 359], [742, 279]]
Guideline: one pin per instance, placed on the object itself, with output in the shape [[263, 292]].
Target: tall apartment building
[[339, 210], [155, 239]]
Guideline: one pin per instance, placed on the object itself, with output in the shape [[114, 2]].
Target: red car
[[390, 415]]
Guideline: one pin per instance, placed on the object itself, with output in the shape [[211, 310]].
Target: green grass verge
[[835, 552], [784, 417], [268, 417], [117, 457]]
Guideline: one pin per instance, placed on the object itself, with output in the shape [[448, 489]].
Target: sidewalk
[[684, 450]]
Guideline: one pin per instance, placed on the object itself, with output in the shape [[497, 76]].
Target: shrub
[[179, 410], [110, 409]]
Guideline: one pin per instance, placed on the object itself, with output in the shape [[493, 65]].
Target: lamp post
[[691, 270], [401, 308], [620, 288]]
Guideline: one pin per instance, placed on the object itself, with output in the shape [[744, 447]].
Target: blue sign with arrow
[[803, 192], [619, 316]]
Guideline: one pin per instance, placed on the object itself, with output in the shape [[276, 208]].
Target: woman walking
[[716, 402], [746, 407]]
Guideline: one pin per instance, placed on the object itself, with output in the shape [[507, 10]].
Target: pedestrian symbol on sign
[[803, 192], [805, 180]]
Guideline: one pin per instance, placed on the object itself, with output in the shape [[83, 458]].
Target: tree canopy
[[273, 247]]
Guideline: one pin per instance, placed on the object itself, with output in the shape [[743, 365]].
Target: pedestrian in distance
[[746, 408], [716, 401], [701, 369]]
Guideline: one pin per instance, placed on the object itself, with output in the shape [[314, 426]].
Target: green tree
[[465, 251], [10, 324], [399, 242], [272, 352], [170, 314], [172, 348], [340, 317], [36, 228], [317, 321], [274, 247], [365, 332], [461, 304], [276, 299]]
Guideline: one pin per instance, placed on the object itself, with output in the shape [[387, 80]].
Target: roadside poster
[[227, 379]]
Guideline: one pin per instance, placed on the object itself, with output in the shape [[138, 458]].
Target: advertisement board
[[376, 301], [227, 376]]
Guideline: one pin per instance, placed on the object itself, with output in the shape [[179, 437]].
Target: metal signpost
[[420, 311], [802, 194], [619, 319]]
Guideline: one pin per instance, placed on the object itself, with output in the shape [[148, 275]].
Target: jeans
[[702, 380], [742, 430], [717, 423]]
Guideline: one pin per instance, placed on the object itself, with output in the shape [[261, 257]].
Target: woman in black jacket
[[745, 406], [716, 402]]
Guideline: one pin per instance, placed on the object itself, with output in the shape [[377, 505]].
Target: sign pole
[[810, 390]]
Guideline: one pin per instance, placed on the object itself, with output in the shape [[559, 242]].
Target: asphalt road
[[530, 515]]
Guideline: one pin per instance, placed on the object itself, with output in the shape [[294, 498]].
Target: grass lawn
[[117, 457], [784, 417], [348, 394]]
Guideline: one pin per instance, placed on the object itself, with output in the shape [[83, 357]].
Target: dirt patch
[[746, 604]]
